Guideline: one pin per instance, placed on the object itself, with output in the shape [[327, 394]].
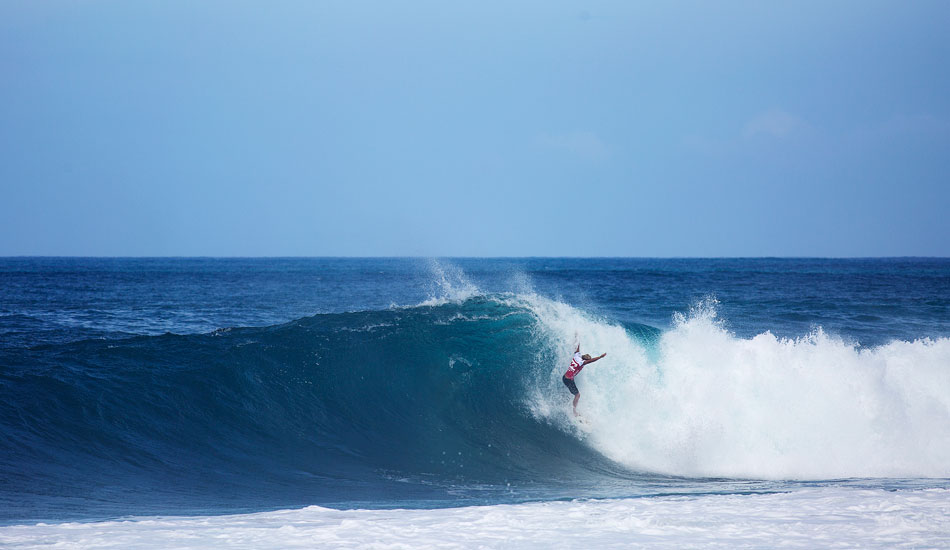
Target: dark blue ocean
[[212, 386]]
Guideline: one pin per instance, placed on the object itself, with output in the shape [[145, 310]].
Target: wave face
[[410, 403], [456, 399]]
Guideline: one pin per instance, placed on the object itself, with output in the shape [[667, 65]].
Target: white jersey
[[577, 363]]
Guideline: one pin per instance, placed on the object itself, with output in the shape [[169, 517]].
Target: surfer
[[578, 362]]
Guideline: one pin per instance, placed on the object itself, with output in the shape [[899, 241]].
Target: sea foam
[[810, 518], [702, 402]]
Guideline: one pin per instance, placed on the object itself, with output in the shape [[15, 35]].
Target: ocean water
[[284, 402]]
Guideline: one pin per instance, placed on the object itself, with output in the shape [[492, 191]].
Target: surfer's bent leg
[[572, 387]]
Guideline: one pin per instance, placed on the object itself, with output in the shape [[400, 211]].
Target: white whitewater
[[807, 519], [705, 403]]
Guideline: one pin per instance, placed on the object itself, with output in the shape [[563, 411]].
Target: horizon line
[[425, 257]]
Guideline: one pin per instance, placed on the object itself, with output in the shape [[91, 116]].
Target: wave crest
[[702, 402]]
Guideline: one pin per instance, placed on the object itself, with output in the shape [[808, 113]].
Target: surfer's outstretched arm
[[598, 358]]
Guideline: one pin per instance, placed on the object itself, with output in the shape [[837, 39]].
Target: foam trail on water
[[802, 519], [705, 403]]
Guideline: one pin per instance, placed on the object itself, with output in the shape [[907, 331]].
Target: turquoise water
[[207, 386]]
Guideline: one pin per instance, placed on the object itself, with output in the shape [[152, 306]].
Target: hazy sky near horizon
[[547, 128]]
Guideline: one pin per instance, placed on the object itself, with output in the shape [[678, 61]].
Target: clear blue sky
[[548, 128]]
